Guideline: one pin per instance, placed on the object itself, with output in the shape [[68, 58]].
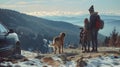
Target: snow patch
[[109, 61]]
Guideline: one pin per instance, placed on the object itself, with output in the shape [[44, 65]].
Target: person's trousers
[[94, 34]]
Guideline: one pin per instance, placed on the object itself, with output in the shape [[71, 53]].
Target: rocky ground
[[70, 58]]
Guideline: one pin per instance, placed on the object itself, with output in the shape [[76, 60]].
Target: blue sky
[[61, 7]]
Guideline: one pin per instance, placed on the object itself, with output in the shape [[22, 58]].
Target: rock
[[30, 63], [24, 59], [81, 62], [4, 59], [116, 57], [63, 57], [39, 57], [71, 46], [70, 58], [14, 61]]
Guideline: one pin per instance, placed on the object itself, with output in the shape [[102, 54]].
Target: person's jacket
[[93, 18]]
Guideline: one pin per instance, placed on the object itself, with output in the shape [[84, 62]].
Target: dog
[[58, 43], [85, 38]]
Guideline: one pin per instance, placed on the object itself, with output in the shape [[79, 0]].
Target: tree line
[[113, 40]]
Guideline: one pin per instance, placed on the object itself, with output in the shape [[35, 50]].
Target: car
[[9, 42]]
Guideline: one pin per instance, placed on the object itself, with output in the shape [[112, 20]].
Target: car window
[[3, 29]]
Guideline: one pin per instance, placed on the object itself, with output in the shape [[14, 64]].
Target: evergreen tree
[[113, 37]]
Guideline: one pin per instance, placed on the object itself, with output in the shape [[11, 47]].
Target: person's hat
[[86, 20], [91, 9]]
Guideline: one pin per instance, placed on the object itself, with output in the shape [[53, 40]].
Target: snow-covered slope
[[55, 61]]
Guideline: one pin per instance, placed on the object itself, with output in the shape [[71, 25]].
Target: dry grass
[[51, 61]]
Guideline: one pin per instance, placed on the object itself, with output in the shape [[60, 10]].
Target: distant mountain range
[[33, 30], [110, 21]]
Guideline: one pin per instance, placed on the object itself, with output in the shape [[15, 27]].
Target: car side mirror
[[11, 31]]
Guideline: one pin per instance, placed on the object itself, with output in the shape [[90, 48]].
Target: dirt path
[[102, 51], [74, 54]]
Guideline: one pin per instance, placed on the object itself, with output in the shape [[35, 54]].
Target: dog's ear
[[62, 34]]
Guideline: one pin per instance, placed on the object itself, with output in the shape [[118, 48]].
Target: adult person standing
[[94, 30]]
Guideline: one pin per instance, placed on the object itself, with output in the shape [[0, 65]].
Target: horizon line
[[63, 13]]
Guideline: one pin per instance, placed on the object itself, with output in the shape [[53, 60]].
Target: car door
[[3, 32]]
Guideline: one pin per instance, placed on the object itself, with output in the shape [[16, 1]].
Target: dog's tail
[[50, 45]]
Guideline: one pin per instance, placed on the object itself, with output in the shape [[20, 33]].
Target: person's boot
[[96, 50], [84, 51], [88, 50], [92, 50], [82, 48]]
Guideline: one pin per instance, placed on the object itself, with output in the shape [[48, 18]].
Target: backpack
[[99, 23]]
